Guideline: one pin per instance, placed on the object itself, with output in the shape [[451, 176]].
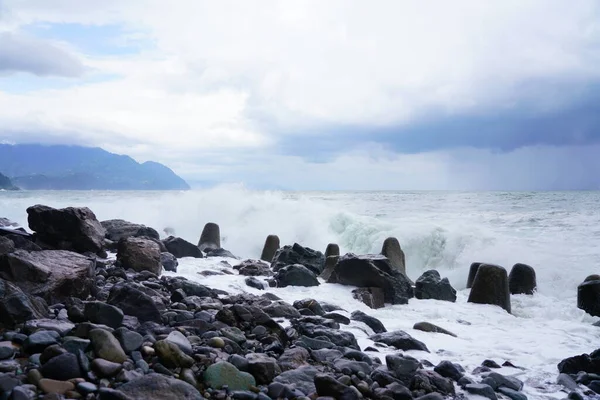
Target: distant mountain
[[39, 167], [6, 183]]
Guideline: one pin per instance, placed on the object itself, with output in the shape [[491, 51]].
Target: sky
[[314, 95]]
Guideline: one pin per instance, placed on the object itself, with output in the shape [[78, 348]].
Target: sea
[[557, 233]]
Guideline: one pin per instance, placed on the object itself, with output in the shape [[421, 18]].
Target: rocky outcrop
[[117, 229], [431, 286], [54, 275], [373, 271], [71, 228], [210, 238], [588, 297], [391, 249], [522, 280], [271, 246], [491, 287], [17, 307], [312, 259], [139, 254], [181, 248]]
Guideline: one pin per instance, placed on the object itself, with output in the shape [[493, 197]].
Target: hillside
[[38, 167], [6, 183]]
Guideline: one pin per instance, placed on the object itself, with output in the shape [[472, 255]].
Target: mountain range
[[60, 167]]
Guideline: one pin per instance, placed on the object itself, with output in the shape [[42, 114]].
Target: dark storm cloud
[[22, 54]]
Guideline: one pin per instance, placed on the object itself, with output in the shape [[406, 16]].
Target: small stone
[[181, 341], [171, 355], [57, 387], [34, 376], [87, 387], [62, 367], [106, 369], [38, 341], [481, 390], [6, 352], [107, 346], [216, 342], [491, 364]]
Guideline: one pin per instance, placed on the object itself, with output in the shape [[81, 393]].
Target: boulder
[[391, 249], [400, 340], [254, 268], [330, 263], [491, 287], [134, 302], [69, 228], [429, 327], [431, 286], [54, 275], [22, 242], [210, 238], [104, 314], [117, 229], [371, 322], [17, 307], [181, 248], [271, 246], [373, 297], [588, 297], [296, 275], [139, 254], [169, 262], [373, 271], [6, 245], [106, 346], [296, 254], [225, 374], [255, 283], [472, 273], [521, 279], [159, 387]]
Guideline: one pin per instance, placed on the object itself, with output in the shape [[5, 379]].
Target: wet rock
[[481, 390], [391, 249], [181, 248], [400, 340], [373, 297], [428, 327], [181, 341], [169, 262], [425, 381], [431, 286], [472, 273], [588, 297], [310, 304], [253, 268], [106, 369], [295, 275], [371, 322], [326, 385], [449, 370], [490, 364], [512, 394], [72, 228], [330, 263], [403, 367], [54, 275], [339, 318], [491, 287], [17, 307], [134, 302], [38, 341], [57, 387], [106, 346], [6, 245], [290, 255], [293, 358], [279, 309], [6, 351], [505, 381], [373, 271], [302, 378], [74, 344], [117, 229], [139, 254], [263, 368], [210, 238], [270, 248], [255, 283], [220, 253], [159, 387], [62, 367], [522, 280], [339, 337], [102, 313], [223, 374]]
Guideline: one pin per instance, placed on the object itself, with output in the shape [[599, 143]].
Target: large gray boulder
[[71, 228], [139, 254], [17, 307], [522, 279], [373, 271], [391, 249], [54, 275], [117, 229], [312, 259], [491, 287]]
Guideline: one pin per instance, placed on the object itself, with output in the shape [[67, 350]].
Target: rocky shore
[[86, 313]]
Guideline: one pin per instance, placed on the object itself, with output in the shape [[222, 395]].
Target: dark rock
[[397, 391], [253, 268], [117, 229], [220, 253], [310, 304], [293, 358], [263, 368], [512, 394], [223, 374], [302, 378], [280, 308], [181, 341], [171, 355], [371, 322], [431, 286], [326, 385], [431, 396], [50, 352], [129, 340], [62, 368], [373, 271], [330, 263], [296, 254], [106, 346], [403, 367], [17, 307], [391, 249], [6, 351], [425, 381], [169, 262], [68, 228], [54, 275], [139, 254], [270, 248], [505, 381], [159, 387], [332, 250], [588, 297], [134, 302], [472, 273], [6, 245], [491, 287], [23, 242], [593, 277], [373, 297], [522, 280], [106, 369], [102, 313], [210, 238], [481, 390], [87, 387], [449, 370], [74, 344], [428, 327], [7, 384], [400, 340], [38, 341], [339, 318], [491, 364], [340, 338], [255, 283], [181, 248], [295, 275]]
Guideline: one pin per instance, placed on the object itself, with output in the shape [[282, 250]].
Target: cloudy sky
[[314, 94]]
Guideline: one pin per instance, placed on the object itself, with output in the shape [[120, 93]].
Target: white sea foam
[[557, 233]]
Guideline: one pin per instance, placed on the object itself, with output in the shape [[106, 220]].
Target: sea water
[[558, 233]]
